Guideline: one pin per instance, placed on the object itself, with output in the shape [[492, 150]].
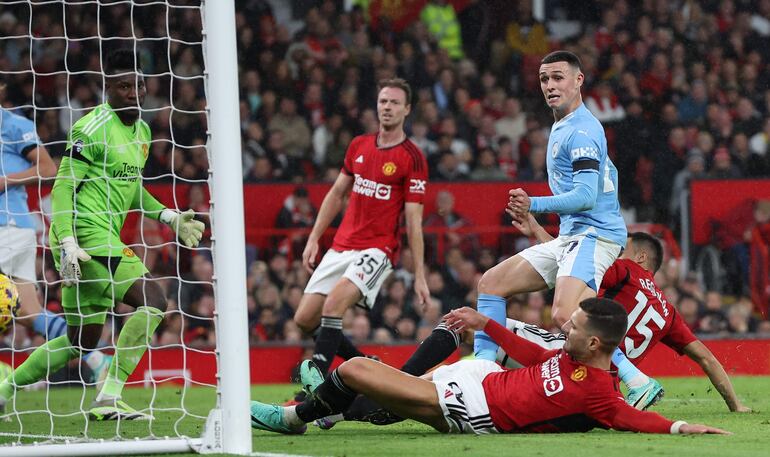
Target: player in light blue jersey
[[592, 233], [23, 162]]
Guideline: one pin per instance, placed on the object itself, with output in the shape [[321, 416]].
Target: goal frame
[[228, 426]]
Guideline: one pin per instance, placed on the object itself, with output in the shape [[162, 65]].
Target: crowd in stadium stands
[[682, 88]]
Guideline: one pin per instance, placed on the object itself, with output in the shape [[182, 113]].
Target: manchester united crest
[[145, 150], [579, 374], [389, 168], [128, 252]]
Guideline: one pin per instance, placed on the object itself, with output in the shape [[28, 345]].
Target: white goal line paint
[[41, 437], [271, 454]]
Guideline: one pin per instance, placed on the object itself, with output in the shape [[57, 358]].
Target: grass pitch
[[175, 410]]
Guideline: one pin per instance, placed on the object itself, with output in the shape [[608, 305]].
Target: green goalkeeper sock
[[48, 358], [132, 343]]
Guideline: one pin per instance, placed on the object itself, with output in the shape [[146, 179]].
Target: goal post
[[228, 228], [226, 429]]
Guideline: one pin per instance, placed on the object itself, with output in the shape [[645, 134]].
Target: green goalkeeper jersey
[[100, 181]]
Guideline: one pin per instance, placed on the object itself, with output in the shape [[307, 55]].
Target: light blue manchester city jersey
[[580, 136], [17, 136]]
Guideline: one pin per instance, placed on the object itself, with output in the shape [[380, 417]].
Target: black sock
[[331, 397], [360, 409], [441, 343], [328, 342], [348, 350]]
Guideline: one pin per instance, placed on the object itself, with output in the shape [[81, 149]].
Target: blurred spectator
[[723, 168], [695, 168], [527, 41], [441, 20], [692, 108], [714, 319], [689, 310], [296, 212], [487, 167], [535, 170], [603, 104], [508, 157], [513, 123], [195, 283], [445, 217], [360, 329], [296, 133]]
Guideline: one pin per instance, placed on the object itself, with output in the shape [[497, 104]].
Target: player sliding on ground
[[98, 182], [564, 390], [629, 281]]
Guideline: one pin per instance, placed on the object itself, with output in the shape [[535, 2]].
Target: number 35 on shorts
[[369, 263]]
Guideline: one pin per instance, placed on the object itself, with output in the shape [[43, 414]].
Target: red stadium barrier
[[712, 201], [274, 364], [482, 203]]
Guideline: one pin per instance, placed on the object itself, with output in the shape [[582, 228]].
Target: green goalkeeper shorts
[[103, 281]]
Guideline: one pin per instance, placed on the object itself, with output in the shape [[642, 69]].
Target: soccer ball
[[9, 302]]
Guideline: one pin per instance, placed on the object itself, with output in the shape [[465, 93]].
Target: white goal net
[[191, 384]]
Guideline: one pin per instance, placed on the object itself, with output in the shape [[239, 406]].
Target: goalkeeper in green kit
[[98, 183]]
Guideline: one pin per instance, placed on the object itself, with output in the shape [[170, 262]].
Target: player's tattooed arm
[[701, 355]]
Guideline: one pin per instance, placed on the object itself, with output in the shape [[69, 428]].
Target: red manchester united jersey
[[555, 393], [650, 317], [384, 179]]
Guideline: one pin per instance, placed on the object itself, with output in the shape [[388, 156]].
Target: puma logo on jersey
[[360, 159]]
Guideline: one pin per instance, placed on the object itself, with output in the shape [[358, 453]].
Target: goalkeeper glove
[[188, 230], [71, 256]]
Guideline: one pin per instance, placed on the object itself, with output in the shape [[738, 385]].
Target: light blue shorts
[[585, 256]]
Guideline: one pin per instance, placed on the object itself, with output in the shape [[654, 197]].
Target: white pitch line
[[271, 454], [40, 437]]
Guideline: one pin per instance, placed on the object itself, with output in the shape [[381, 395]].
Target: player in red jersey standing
[[651, 319], [564, 390], [386, 175]]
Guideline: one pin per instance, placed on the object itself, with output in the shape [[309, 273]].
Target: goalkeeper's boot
[[643, 397], [310, 376], [271, 418], [111, 409]]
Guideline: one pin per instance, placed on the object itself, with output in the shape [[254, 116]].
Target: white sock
[[291, 418], [638, 381], [101, 396], [94, 359], [334, 418]]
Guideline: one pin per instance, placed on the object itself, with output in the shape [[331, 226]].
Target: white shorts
[[18, 250], [462, 397], [585, 256], [367, 269], [533, 333]]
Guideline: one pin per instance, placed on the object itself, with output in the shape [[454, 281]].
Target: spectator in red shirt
[[657, 80]]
